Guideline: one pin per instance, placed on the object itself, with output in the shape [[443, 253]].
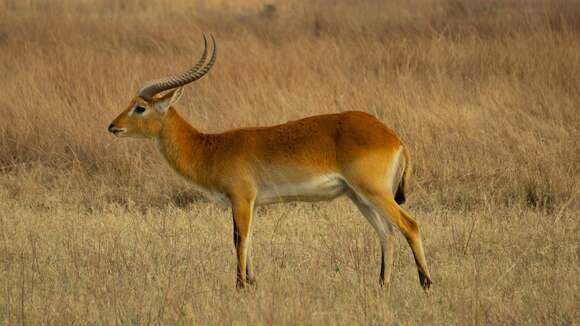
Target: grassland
[[486, 94]]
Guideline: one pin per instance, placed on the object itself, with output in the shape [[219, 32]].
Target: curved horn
[[196, 72]]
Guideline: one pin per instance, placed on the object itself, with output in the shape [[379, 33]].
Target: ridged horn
[[153, 87]]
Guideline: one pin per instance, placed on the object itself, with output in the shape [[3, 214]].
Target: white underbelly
[[325, 187]]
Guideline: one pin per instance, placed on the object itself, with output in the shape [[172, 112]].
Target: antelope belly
[[319, 188]]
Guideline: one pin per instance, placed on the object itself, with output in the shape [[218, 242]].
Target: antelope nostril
[[111, 127]]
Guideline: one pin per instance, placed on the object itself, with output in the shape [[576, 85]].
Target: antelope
[[313, 159]]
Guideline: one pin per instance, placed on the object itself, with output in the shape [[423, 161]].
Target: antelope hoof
[[240, 284], [425, 281], [252, 282], [384, 283]]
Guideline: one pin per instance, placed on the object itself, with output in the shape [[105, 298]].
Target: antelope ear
[[167, 100]]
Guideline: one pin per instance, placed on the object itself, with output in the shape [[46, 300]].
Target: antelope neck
[[180, 144]]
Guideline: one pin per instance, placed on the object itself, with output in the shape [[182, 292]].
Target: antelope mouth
[[117, 131]]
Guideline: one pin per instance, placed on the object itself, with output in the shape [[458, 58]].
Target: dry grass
[[485, 93]]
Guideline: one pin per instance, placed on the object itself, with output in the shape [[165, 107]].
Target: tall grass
[[485, 93]]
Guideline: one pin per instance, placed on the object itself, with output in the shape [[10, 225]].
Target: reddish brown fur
[[241, 164]]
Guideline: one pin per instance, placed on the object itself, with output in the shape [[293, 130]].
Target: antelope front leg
[[249, 266], [242, 211]]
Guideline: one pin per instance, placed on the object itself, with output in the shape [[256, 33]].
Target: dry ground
[[96, 230]]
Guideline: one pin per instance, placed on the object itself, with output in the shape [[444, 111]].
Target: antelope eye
[[139, 109]]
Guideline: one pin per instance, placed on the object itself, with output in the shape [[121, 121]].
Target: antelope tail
[[404, 183]]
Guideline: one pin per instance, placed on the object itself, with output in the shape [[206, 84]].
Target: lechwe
[[317, 158]]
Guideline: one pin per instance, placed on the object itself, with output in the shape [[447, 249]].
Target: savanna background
[[97, 230]]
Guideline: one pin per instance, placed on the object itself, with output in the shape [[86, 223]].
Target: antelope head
[[144, 117]]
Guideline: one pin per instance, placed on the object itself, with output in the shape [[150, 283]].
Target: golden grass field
[[97, 230]]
